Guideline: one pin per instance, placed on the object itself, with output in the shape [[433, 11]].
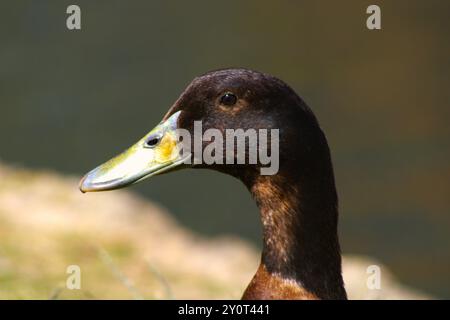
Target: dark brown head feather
[[301, 255]]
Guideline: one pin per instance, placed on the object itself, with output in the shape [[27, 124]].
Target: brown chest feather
[[266, 286]]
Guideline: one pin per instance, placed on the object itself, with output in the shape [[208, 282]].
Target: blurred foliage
[[72, 99]]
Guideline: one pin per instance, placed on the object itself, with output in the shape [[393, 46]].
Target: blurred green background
[[72, 99]]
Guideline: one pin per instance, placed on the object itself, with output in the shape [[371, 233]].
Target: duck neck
[[301, 256]]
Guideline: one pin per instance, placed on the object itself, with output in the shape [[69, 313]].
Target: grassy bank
[[126, 247]]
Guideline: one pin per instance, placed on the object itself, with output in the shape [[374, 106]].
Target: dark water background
[[70, 100]]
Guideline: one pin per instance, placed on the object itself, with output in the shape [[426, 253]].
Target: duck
[[298, 205]]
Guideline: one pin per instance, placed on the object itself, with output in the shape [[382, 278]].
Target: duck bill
[[140, 161]]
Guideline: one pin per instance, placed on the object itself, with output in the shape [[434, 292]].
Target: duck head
[[224, 101], [297, 201]]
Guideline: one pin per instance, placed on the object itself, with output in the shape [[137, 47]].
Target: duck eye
[[153, 141], [228, 99]]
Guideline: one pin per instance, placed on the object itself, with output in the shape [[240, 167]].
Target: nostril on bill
[[153, 141]]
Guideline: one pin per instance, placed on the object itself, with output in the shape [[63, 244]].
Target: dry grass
[[126, 247]]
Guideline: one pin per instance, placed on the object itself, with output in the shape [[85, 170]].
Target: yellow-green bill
[[155, 153]]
